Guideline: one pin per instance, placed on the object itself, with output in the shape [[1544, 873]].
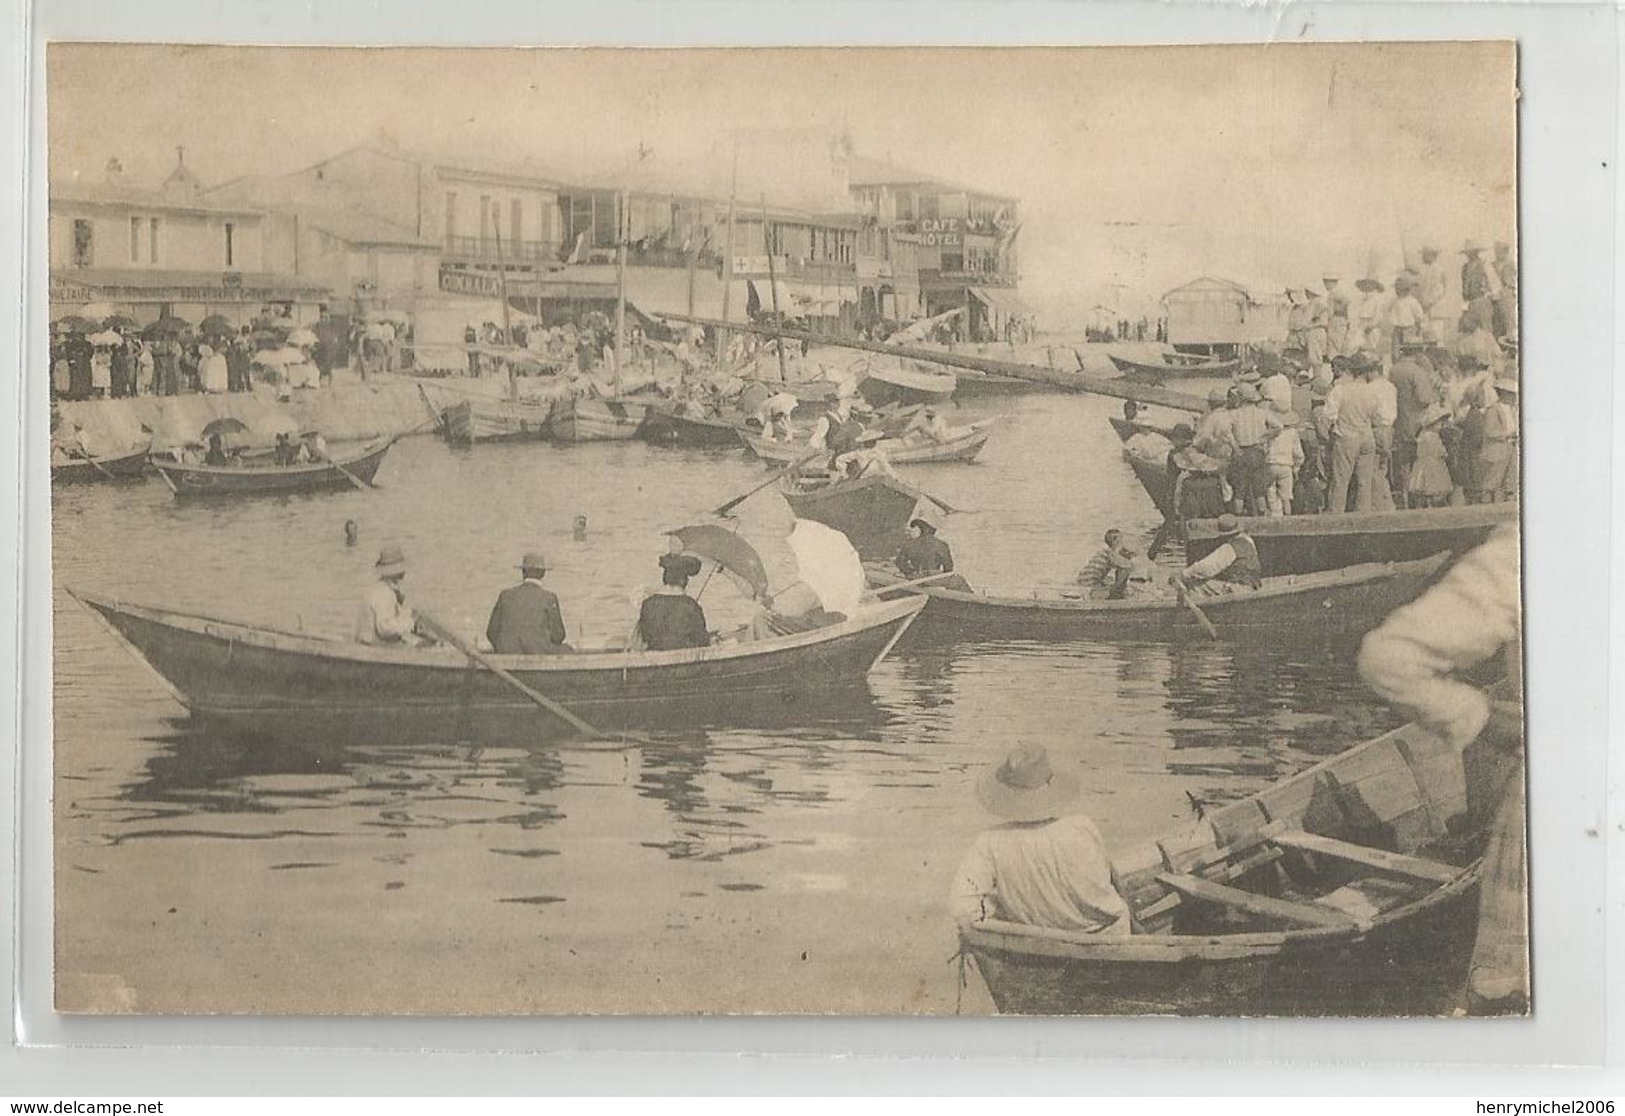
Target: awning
[[1001, 301]]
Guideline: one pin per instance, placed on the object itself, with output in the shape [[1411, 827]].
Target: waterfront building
[[1219, 316], [168, 251]]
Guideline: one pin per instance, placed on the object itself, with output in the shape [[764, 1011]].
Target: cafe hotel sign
[[943, 232]]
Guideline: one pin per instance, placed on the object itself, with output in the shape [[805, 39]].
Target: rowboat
[[1337, 602], [872, 511], [189, 482], [665, 425], [590, 419], [277, 682], [1298, 544], [907, 386], [489, 419], [898, 451], [1152, 475], [1174, 368], [972, 385], [1127, 428], [81, 470], [1347, 889]]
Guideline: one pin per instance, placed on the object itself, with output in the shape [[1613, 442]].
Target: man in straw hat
[[384, 616], [1041, 866], [1234, 562], [526, 619], [1432, 287]]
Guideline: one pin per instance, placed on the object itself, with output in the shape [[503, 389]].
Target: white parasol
[[105, 337], [279, 358], [829, 566], [302, 336]]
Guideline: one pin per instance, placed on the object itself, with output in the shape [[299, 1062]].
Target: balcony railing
[[515, 251]]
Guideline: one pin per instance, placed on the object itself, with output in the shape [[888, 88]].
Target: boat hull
[[906, 390], [1301, 544], [664, 426], [1343, 602], [289, 684], [872, 512], [596, 420], [496, 420], [204, 482], [962, 449], [1155, 371], [129, 466]]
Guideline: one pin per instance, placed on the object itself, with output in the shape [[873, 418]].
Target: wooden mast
[[502, 281], [728, 257], [624, 228], [773, 282]]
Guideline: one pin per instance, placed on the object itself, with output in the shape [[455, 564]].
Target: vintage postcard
[[868, 531]]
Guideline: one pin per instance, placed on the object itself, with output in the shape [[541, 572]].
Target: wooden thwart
[[1381, 860], [1282, 910]]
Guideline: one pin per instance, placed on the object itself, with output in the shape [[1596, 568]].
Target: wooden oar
[[905, 586], [786, 471], [1201, 617], [96, 465], [352, 478], [442, 632]]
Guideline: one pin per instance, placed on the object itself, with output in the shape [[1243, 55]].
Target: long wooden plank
[[1397, 864], [1071, 381], [1282, 910]]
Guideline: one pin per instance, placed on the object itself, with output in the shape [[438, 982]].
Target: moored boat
[[83, 470], [906, 386], [1173, 368], [899, 451], [665, 425], [591, 419], [190, 482], [872, 511], [1337, 602], [1298, 544], [1346, 889], [490, 419], [276, 682]]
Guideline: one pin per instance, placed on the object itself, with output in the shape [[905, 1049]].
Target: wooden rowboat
[[665, 425], [1339, 602], [1156, 371], [1299, 544], [897, 450], [906, 386], [278, 682], [1347, 889], [483, 419], [84, 470], [192, 482], [590, 419], [872, 511]]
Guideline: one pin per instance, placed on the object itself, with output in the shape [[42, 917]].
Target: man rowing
[[1234, 562], [526, 619]]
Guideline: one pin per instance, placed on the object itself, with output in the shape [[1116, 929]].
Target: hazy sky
[[1138, 167]]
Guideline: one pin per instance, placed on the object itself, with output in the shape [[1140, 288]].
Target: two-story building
[[933, 246], [170, 251]]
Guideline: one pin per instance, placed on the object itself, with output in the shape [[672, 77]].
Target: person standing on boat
[[1040, 866], [384, 617], [526, 619], [1433, 286], [1297, 321], [1415, 660], [1285, 457], [1337, 316], [1505, 311], [669, 618], [1317, 338], [924, 555], [1234, 562], [1352, 408]]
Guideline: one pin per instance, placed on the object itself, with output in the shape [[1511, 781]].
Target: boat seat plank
[[1282, 910], [1397, 864]]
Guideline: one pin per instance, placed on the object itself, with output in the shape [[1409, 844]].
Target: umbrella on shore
[[76, 323], [216, 325], [106, 337], [278, 358], [166, 325], [121, 322], [302, 336]]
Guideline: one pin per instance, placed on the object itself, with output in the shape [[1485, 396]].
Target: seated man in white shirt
[[384, 616], [1041, 866]]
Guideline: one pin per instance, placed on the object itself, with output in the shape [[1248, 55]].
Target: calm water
[[797, 869]]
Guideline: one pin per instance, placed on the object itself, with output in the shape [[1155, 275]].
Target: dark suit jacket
[[526, 621]]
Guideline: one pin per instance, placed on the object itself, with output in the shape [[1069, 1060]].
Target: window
[[516, 222], [135, 240], [230, 229], [84, 244], [451, 214], [152, 240]]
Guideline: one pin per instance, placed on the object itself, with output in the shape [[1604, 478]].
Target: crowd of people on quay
[[1373, 403]]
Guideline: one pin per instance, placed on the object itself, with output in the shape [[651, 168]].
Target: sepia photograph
[[795, 531]]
